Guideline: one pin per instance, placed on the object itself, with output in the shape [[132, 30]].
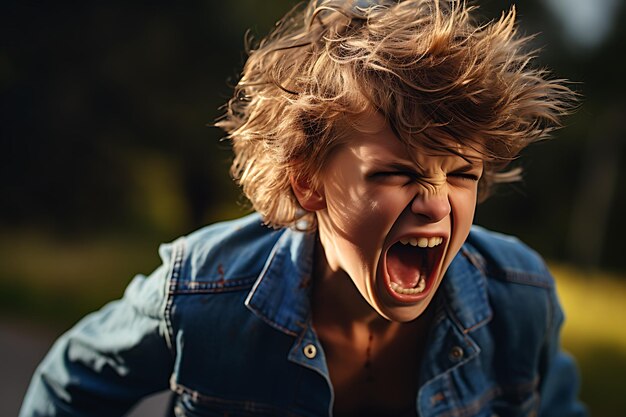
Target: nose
[[431, 207]]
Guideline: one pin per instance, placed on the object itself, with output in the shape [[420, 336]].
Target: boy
[[364, 133]]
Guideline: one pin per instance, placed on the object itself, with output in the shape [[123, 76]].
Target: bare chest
[[374, 377]]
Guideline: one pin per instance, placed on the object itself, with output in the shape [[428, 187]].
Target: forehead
[[372, 138]]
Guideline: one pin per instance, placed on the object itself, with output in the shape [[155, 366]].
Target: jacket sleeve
[[560, 381], [111, 358]]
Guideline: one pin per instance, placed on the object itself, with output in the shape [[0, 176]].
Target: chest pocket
[[518, 402], [194, 405]]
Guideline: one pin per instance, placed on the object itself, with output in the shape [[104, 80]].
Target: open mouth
[[412, 264]]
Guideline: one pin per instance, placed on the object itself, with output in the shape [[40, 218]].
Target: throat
[[335, 298]]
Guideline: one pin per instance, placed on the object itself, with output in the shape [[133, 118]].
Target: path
[[22, 346]]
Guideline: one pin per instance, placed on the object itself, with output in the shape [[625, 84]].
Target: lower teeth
[[421, 286]]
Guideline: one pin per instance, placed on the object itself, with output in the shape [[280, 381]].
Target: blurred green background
[[107, 150]]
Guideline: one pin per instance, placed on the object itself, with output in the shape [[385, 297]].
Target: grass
[[594, 306], [56, 281]]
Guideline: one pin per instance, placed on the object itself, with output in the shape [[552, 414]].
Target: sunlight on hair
[[428, 66]]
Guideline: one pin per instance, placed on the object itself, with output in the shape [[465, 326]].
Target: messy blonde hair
[[427, 66]]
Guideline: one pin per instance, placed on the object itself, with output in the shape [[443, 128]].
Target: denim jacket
[[225, 323]]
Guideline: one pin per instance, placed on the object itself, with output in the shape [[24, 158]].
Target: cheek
[[463, 205], [364, 205], [361, 218], [356, 219]]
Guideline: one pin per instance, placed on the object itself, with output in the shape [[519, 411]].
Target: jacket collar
[[280, 295], [465, 290]]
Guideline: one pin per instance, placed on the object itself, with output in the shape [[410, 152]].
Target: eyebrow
[[399, 166], [402, 166], [467, 167]]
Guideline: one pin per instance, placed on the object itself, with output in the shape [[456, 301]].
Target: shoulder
[[520, 289], [226, 252], [506, 258]]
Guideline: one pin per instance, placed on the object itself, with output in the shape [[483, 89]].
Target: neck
[[337, 301]]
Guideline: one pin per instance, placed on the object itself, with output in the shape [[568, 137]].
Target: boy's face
[[393, 219]]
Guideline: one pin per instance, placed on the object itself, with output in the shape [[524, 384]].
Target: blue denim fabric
[[225, 323]]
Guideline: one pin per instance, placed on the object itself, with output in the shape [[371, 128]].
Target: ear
[[310, 198]]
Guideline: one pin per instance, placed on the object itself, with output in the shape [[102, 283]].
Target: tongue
[[403, 265]]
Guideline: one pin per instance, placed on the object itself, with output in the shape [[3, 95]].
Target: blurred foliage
[[56, 281], [105, 113]]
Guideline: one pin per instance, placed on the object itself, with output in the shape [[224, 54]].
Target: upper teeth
[[422, 242]]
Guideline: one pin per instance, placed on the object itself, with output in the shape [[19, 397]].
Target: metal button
[[438, 397], [310, 351], [456, 353]]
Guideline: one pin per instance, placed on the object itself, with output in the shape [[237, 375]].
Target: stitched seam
[[196, 286], [298, 347], [212, 290], [271, 258], [471, 409], [172, 280], [453, 393], [277, 326], [242, 405], [475, 259], [458, 324], [520, 277], [520, 389]]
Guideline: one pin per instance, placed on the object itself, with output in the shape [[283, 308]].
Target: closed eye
[[394, 177], [464, 175], [394, 174]]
